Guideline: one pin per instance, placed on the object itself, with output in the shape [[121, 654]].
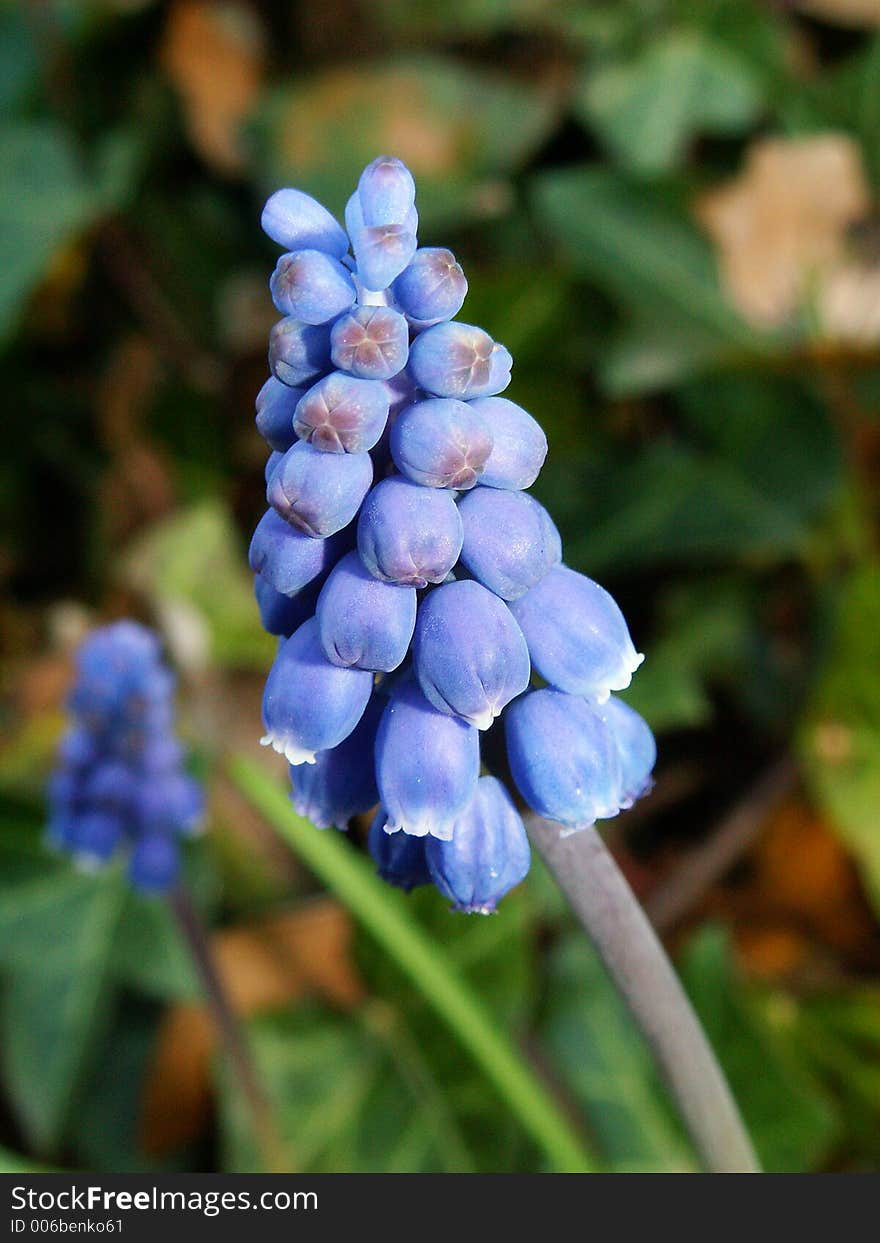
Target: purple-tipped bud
[[386, 191], [310, 705], [382, 252], [371, 342], [487, 855], [285, 557], [564, 758], [519, 445], [510, 541], [441, 443], [298, 353], [280, 614], [577, 636], [311, 286], [154, 863], [459, 360], [427, 764], [469, 654], [319, 493], [407, 534], [341, 414], [635, 746], [342, 782], [354, 217], [276, 403], [295, 221], [364, 622], [432, 288], [399, 858]]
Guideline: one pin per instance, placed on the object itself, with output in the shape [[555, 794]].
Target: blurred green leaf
[[601, 1057], [52, 1010], [148, 953], [48, 199], [680, 84], [841, 732], [192, 567], [350, 1094], [704, 638], [674, 504], [18, 56], [110, 1108], [458, 128], [791, 1121], [637, 249]]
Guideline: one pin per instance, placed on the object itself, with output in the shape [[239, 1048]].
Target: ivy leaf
[[646, 109]]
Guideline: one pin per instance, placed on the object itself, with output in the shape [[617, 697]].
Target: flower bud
[[459, 360], [469, 654], [487, 855], [432, 288], [399, 858], [297, 221], [427, 764], [276, 403], [319, 493], [280, 614], [342, 781], [382, 252], [578, 639], [635, 747], [286, 558], [341, 414], [564, 758], [441, 443], [509, 540], [311, 286], [519, 445], [298, 353], [93, 838], [155, 863], [407, 534], [386, 192], [371, 342], [364, 622], [310, 705], [174, 803], [355, 222]]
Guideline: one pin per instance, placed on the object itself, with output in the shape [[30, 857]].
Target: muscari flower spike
[[120, 785], [418, 590]]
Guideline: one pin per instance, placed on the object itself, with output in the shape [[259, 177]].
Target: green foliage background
[[716, 469]]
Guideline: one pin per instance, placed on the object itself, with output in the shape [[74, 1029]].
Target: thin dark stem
[[636, 961], [723, 847], [229, 1030]]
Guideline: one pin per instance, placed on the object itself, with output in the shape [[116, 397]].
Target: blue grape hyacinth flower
[[418, 589], [120, 785]]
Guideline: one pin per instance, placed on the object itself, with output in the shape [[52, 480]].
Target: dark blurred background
[[668, 212]]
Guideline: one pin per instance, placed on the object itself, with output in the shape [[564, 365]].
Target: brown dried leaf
[[213, 53], [780, 226], [842, 12]]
